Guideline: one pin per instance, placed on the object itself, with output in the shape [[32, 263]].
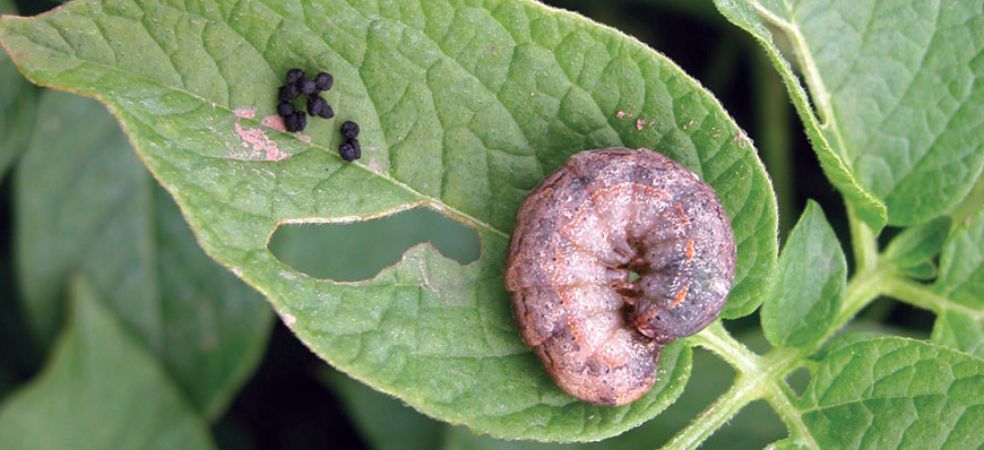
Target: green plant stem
[[779, 399], [762, 376], [757, 376], [745, 390], [921, 296], [863, 243], [861, 290], [717, 339]]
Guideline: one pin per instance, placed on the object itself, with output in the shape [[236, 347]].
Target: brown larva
[[614, 255]]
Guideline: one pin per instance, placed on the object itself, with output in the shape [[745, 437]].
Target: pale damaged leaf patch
[[256, 145]]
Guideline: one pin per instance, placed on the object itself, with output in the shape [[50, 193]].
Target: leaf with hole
[[100, 389], [86, 206], [902, 115], [463, 109]]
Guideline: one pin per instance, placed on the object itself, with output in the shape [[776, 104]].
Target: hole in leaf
[[360, 250], [798, 380]]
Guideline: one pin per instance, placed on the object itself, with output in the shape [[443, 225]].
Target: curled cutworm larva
[[615, 255]]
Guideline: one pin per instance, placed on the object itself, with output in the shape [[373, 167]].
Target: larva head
[[580, 237]]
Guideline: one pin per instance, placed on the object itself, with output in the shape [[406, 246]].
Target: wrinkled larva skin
[[580, 233]]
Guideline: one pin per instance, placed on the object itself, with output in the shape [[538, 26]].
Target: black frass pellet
[[294, 75], [285, 109], [306, 86], [288, 92], [317, 106], [291, 123], [327, 113], [350, 129], [350, 151], [323, 81], [295, 122]]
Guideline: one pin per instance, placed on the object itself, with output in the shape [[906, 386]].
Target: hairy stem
[[863, 243], [921, 296], [744, 391], [779, 398], [716, 339], [757, 376], [763, 376]]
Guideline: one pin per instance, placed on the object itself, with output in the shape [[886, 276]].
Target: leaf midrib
[[814, 81]]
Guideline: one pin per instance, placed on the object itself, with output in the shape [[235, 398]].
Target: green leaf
[[868, 207], [962, 263], [961, 330], [812, 278], [895, 393], [960, 321], [917, 245], [85, 205], [100, 390], [386, 423], [903, 113], [17, 106], [463, 108]]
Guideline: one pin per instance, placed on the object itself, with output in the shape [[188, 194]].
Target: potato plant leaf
[[960, 284], [895, 393], [901, 115], [868, 207], [918, 245], [387, 424], [100, 390], [464, 108], [86, 206], [812, 277]]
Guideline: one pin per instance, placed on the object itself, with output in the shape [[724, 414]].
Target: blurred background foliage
[[293, 400]]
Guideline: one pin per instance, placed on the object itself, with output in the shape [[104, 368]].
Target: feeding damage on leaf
[[256, 145], [581, 236]]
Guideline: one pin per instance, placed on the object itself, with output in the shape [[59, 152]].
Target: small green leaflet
[[918, 245], [812, 277]]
